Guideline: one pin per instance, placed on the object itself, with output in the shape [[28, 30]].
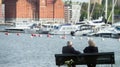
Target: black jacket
[[91, 49], [91, 59], [69, 50]]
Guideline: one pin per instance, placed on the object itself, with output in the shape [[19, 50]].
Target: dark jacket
[[69, 50], [91, 49], [91, 59]]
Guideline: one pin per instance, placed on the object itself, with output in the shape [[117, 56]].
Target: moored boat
[[64, 29], [22, 27], [46, 28]]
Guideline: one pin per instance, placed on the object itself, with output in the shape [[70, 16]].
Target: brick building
[[52, 10], [37, 10]]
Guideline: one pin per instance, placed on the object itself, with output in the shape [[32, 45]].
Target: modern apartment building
[[34, 10], [72, 12], [2, 12]]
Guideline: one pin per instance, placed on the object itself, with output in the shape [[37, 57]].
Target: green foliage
[[99, 10], [84, 11]]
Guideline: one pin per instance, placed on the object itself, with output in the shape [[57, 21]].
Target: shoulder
[[67, 47], [96, 47], [87, 47], [64, 46]]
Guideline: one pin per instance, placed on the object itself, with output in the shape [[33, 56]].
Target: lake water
[[27, 51]]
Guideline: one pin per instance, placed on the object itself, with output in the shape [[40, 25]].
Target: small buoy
[[18, 34], [33, 35], [40, 35], [63, 37], [48, 35], [6, 33]]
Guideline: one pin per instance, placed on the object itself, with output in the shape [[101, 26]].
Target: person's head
[[69, 43], [91, 43]]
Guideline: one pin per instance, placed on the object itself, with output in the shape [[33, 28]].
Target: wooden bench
[[85, 58]]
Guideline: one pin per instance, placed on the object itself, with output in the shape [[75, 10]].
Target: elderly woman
[[91, 49]]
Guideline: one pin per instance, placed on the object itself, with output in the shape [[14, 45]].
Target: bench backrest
[[85, 58]]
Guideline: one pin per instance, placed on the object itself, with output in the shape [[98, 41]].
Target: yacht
[[22, 27], [111, 31], [64, 29], [47, 27], [84, 30], [96, 22]]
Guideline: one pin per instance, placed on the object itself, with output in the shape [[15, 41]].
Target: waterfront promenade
[[24, 50]]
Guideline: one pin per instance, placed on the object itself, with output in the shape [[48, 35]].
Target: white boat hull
[[59, 32]]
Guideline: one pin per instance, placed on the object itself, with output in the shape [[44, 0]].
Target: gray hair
[[91, 43], [69, 43]]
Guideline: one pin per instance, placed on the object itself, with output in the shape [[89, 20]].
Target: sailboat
[[95, 22], [112, 31], [90, 26]]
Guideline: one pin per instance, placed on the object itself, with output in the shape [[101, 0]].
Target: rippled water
[[27, 51]]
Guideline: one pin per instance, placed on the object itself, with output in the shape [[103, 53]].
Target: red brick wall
[[23, 9], [10, 8], [43, 3], [51, 10], [46, 9], [59, 9], [50, 13], [49, 2]]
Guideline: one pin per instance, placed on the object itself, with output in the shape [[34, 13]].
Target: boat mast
[[88, 15], [106, 6], [113, 5], [112, 12]]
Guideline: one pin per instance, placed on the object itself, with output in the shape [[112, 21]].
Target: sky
[[79, 0]]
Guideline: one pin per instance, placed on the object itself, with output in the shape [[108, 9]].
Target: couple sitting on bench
[[89, 49]]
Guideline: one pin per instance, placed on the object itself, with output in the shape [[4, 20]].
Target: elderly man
[[69, 50]]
